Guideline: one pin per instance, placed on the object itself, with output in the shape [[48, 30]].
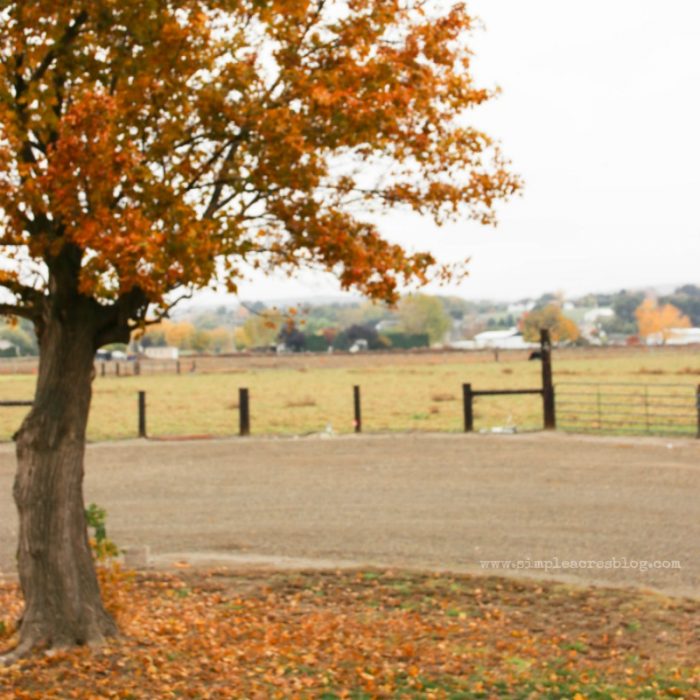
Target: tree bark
[[63, 606]]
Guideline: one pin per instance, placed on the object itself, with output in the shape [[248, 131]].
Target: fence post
[[243, 412], [646, 409], [550, 420], [103, 369], [116, 369], [468, 399], [697, 403], [177, 366], [142, 414], [137, 368], [358, 408]]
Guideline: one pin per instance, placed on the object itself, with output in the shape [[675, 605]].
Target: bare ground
[[433, 502]]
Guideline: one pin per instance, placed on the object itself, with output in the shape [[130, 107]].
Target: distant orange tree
[[550, 317], [654, 319], [149, 148]]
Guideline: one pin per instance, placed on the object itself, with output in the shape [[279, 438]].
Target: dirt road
[[418, 501]]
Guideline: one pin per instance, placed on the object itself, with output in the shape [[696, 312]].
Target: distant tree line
[[418, 320]]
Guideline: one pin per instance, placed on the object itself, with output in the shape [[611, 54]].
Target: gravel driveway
[[417, 501]]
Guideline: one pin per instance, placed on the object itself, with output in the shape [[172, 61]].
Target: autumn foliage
[[550, 317], [158, 137], [372, 635], [148, 147], [653, 319]]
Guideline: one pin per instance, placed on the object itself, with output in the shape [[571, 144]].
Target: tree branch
[[68, 37], [214, 202], [115, 326], [204, 168], [23, 291], [21, 311], [164, 313]]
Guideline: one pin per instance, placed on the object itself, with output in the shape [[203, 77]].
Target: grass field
[[309, 393]]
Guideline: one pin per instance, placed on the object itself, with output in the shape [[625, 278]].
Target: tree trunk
[[57, 575]]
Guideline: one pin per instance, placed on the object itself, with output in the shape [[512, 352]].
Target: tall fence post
[[137, 368], [142, 414], [103, 369], [243, 412], [697, 403], [177, 366], [117, 371], [468, 400], [358, 408], [550, 420]]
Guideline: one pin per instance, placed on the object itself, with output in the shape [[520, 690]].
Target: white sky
[[600, 114]]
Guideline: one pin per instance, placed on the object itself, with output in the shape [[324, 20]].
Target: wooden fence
[[580, 406]]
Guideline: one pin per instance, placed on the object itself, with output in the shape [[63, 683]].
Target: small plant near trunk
[[102, 547], [114, 582]]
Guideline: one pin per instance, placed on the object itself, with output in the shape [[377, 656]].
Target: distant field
[[303, 394]]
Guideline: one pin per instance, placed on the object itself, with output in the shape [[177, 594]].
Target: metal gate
[[629, 408]]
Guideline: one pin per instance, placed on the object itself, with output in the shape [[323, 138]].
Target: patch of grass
[[443, 397], [300, 403], [370, 575]]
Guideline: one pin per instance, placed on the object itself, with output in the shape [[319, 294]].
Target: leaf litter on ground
[[368, 634]]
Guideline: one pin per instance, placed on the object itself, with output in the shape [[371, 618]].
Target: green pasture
[[402, 396]]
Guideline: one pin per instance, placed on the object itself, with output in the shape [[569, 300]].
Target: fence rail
[[628, 408]]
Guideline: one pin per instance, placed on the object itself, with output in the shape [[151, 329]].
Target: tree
[[201, 341], [293, 338], [148, 147], [261, 329], [347, 338], [550, 317], [659, 320], [178, 335], [420, 313], [625, 304], [691, 290], [221, 339], [457, 307], [547, 299], [687, 300]]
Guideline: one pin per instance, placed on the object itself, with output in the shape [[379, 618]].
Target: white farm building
[[510, 339], [675, 336]]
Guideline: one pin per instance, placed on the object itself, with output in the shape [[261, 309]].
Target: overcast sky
[[600, 114]]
